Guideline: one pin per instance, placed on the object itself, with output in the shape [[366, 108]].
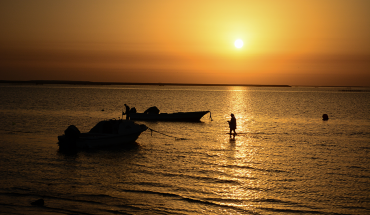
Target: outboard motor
[[72, 132], [152, 110], [133, 110]]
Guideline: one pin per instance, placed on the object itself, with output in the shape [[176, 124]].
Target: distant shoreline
[[41, 82]]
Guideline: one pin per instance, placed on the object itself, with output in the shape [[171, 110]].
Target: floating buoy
[[325, 117]]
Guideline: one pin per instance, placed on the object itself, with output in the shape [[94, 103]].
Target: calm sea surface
[[285, 160]]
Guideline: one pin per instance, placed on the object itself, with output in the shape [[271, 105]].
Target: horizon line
[[41, 82]]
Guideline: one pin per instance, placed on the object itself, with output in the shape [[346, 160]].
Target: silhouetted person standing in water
[[127, 112], [232, 124]]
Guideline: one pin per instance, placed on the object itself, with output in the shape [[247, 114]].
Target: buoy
[[325, 117]]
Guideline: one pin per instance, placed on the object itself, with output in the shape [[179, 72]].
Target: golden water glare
[[239, 153]]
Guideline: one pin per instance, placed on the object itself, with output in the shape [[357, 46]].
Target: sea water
[[284, 160]]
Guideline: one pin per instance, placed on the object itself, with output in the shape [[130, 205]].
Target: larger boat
[[104, 134], [175, 117]]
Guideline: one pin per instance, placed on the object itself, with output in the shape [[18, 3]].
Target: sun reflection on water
[[238, 160], [239, 104]]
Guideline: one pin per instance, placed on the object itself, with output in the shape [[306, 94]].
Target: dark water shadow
[[74, 152]]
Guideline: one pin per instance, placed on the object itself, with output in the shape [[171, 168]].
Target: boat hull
[[95, 141], [104, 134], [175, 117]]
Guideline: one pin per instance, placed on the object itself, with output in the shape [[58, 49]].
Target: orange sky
[[294, 42]]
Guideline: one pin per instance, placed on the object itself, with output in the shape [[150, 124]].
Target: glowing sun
[[238, 43]]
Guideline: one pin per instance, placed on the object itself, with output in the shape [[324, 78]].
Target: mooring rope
[[176, 138]]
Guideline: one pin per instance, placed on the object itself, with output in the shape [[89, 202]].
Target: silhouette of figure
[[127, 112], [232, 125]]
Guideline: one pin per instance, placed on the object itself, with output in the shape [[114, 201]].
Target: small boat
[[104, 134], [175, 117]]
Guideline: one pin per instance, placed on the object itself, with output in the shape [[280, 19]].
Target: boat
[[174, 117], [104, 134]]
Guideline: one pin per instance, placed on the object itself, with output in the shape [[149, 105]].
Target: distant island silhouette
[[41, 82]]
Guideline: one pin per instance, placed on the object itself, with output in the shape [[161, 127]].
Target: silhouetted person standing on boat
[[232, 124], [127, 112]]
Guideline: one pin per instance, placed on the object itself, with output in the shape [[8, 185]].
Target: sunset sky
[[293, 42]]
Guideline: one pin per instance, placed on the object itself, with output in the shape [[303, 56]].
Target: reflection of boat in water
[[175, 117], [104, 134]]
